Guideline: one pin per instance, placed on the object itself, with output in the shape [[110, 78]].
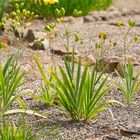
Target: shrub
[[80, 97], [85, 6], [10, 80], [129, 84], [3, 4], [20, 131]]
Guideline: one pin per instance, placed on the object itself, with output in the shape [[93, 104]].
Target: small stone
[[45, 59], [84, 59], [88, 59], [137, 51], [112, 137], [110, 62], [125, 12], [60, 50], [104, 15], [68, 19], [78, 20], [33, 35], [30, 35], [37, 45], [95, 138], [130, 130], [114, 14], [136, 69], [89, 18], [96, 16]]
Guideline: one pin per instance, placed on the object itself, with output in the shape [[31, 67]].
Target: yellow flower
[[102, 35], [50, 1], [4, 46], [46, 2]]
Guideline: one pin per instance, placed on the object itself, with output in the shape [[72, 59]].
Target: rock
[[130, 130], [137, 11], [110, 62], [106, 137], [33, 35], [119, 70], [104, 15], [30, 35], [60, 50], [89, 18], [137, 50], [45, 59], [45, 43], [94, 138], [36, 25], [114, 14], [133, 60], [111, 137], [96, 16], [125, 12], [84, 59], [136, 70], [111, 8], [78, 20], [39, 45], [68, 19]]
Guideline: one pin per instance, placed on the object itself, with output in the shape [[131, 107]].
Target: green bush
[[81, 97], [3, 4], [69, 5], [130, 84], [20, 131], [11, 79]]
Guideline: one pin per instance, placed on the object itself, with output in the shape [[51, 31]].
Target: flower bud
[[13, 14], [77, 37], [52, 25], [102, 36], [18, 11], [22, 5], [120, 23], [57, 12], [47, 28], [77, 13], [136, 38], [62, 11], [132, 23]]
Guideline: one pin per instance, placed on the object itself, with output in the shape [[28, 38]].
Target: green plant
[[10, 80], [80, 97], [18, 18], [129, 84], [20, 131], [46, 96], [47, 10], [3, 4]]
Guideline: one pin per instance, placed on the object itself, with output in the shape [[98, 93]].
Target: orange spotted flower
[[4, 45], [102, 35]]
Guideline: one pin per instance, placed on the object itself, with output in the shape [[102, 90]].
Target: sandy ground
[[130, 4]]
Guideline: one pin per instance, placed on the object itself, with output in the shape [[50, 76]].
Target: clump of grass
[[12, 131], [85, 6], [129, 83]]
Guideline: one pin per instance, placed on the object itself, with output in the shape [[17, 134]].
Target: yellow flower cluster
[[46, 2], [4, 46]]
